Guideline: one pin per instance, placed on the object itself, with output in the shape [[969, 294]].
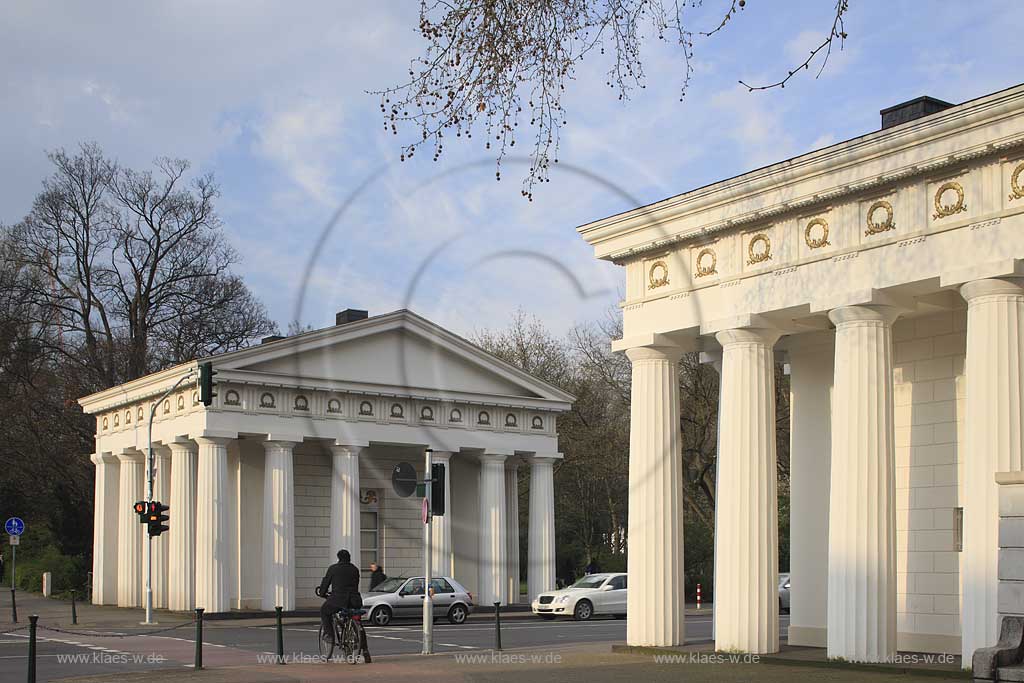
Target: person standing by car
[[377, 575], [339, 588]]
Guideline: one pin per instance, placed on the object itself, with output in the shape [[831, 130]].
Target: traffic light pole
[[150, 471], [428, 599]]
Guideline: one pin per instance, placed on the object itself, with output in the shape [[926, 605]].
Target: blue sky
[[271, 97]]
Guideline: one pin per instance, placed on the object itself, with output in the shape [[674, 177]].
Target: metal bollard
[[32, 648], [497, 626], [14, 607], [74, 612], [280, 636], [199, 638]]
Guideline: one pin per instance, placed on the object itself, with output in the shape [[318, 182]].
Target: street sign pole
[[150, 472], [428, 600]]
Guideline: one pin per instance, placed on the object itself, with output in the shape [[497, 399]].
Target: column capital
[[280, 444], [183, 446], [103, 458], [544, 459], [131, 456], [748, 335], [867, 313], [499, 458], [339, 450], [657, 353], [655, 340], [978, 289], [213, 440], [441, 456]]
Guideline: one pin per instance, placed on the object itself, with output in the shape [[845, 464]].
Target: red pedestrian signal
[[155, 518], [141, 507]]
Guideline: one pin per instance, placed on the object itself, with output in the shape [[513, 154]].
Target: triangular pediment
[[399, 352]]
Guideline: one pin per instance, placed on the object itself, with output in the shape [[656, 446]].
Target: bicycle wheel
[[350, 642], [326, 643]]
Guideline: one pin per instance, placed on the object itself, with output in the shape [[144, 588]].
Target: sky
[[273, 99]]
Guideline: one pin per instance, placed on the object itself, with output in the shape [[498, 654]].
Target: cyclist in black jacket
[[340, 588]]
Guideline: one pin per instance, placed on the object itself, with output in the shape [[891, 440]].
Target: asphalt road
[[61, 655]]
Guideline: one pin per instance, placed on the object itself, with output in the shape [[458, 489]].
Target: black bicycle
[[349, 636]]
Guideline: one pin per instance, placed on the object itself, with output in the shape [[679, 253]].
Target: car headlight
[[563, 598]]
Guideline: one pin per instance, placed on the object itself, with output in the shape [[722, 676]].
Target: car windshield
[[388, 586], [589, 582]]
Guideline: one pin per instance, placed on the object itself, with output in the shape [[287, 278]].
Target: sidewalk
[[587, 663]]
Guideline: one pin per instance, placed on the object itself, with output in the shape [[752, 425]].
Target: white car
[[593, 594]]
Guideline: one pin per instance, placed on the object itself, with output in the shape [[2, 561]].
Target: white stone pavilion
[[887, 273], [293, 461]]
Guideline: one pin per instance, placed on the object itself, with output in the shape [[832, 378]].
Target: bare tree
[[490, 64], [135, 268]]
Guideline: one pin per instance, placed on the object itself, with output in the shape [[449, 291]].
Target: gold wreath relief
[[944, 210], [817, 242], [759, 256], [702, 270], [875, 228], [658, 275], [1016, 190]]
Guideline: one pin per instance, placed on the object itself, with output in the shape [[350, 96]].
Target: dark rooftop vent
[[271, 338], [350, 315], [914, 109]]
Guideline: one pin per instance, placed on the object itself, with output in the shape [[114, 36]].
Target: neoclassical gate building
[[293, 461], [886, 273]]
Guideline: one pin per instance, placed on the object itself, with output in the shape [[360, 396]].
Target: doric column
[[540, 568], [862, 521], [441, 527], [213, 506], [512, 531], [656, 597], [994, 425], [493, 584], [278, 526], [106, 520], [181, 539], [746, 579], [130, 531], [162, 493], [345, 503]]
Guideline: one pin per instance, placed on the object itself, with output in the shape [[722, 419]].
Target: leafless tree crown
[[489, 65]]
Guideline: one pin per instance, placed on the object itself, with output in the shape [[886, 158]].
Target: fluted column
[[655, 601], [994, 424], [345, 503], [130, 530], [746, 580], [106, 520], [162, 493], [278, 526], [441, 527], [512, 531], [213, 506], [181, 539], [493, 585], [862, 521], [540, 568]]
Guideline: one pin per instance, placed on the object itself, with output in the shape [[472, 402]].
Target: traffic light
[[437, 501], [141, 508], [155, 518], [206, 393]]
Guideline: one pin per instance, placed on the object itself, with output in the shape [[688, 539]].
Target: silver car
[[403, 597], [784, 593]]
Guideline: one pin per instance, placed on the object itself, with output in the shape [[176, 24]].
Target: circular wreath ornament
[[657, 276], [943, 210], [759, 254], [706, 262], [821, 239], [1016, 189], [875, 227]]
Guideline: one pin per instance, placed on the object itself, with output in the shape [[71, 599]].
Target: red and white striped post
[[698, 596]]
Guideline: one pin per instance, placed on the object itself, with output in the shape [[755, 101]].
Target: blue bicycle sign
[[15, 526]]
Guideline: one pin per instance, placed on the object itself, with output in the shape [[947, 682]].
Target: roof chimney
[[913, 109], [350, 315], [271, 338]]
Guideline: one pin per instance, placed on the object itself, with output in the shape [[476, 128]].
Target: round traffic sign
[[14, 526]]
